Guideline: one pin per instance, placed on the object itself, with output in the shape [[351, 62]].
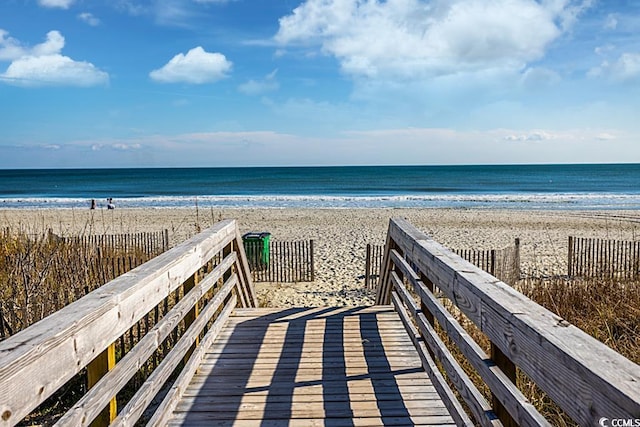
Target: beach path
[[312, 366]]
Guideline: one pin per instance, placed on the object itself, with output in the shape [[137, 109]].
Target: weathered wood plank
[[459, 379], [308, 394], [504, 389], [586, 378], [320, 422], [86, 408], [164, 411], [139, 402], [368, 380]]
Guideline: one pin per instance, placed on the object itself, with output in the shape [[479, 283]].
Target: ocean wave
[[513, 201]]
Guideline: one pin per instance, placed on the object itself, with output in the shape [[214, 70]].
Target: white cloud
[[611, 22], [52, 46], [9, 47], [55, 70], [44, 65], [603, 50], [196, 67], [416, 38], [410, 146], [175, 13], [259, 87], [532, 136], [606, 136], [128, 6], [89, 19], [126, 147], [62, 4], [625, 69]]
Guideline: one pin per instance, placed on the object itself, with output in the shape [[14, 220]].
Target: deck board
[[311, 366]]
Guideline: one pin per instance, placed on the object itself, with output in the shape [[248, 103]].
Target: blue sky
[[154, 83]]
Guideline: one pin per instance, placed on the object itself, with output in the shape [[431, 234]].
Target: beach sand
[[341, 236]]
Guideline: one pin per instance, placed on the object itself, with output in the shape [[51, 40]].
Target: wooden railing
[[211, 275], [587, 379], [600, 258], [501, 263]]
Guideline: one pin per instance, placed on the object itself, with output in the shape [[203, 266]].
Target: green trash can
[[256, 246]]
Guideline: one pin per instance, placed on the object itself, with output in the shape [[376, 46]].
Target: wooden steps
[[311, 366]]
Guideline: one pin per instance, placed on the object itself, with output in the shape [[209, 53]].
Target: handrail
[[587, 379], [37, 361]]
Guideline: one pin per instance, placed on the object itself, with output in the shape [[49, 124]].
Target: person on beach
[[110, 204], [93, 204]]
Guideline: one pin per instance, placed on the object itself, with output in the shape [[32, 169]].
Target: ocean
[[598, 186]]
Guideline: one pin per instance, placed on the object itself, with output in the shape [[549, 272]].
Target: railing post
[[509, 369], [383, 294], [98, 368], [192, 314], [423, 308]]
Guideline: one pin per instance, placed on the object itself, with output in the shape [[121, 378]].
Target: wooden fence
[[589, 381], [503, 264], [603, 258], [75, 266], [150, 243], [373, 262], [286, 262], [208, 278]]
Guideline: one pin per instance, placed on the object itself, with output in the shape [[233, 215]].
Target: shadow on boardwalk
[[325, 366]]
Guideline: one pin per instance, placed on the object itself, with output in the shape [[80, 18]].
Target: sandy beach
[[341, 236]]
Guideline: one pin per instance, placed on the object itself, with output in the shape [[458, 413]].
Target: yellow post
[[97, 369]]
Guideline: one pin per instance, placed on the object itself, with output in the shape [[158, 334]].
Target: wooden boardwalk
[[230, 363], [312, 366]]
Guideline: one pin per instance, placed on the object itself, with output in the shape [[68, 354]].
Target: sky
[[208, 83]]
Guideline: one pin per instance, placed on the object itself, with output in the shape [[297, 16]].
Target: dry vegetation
[[40, 273], [607, 309]]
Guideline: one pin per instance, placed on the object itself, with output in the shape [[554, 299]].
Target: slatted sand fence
[[373, 262], [150, 243], [42, 273], [283, 262], [603, 258], [502, 263], [589, 381]]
